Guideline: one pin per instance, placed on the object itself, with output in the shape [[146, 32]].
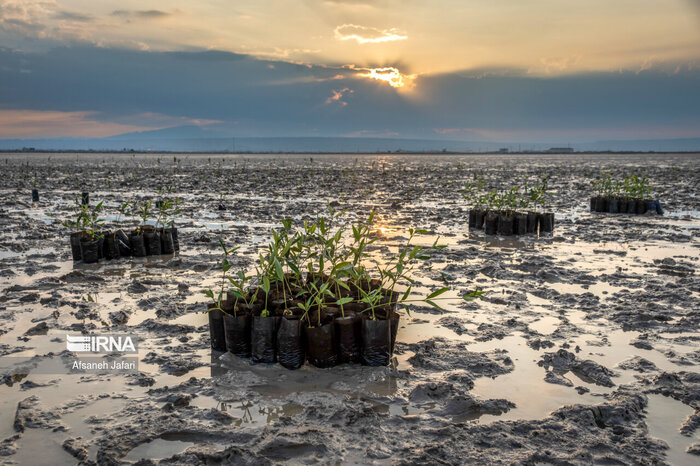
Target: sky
[[503, 70]]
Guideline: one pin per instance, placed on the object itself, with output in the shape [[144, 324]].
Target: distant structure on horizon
[[561, 150]]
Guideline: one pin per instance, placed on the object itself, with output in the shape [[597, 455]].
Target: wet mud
[[584, 350]]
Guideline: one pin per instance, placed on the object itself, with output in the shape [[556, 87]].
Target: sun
[[389, 75]]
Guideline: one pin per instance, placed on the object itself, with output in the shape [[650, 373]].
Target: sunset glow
[[390, 75], [449, 71]]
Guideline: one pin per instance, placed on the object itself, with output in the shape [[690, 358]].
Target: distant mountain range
[[202, 139]]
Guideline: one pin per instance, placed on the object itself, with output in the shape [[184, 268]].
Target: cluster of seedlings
[[318, 294], [633, 195], [154, 235], [517, 211]]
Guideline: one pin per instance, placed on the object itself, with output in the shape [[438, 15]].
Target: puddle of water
[[545, 325], [195, 319], [537, 301], [157, 449], [525, 386], [40, 447], [664, 418], [600, 289]]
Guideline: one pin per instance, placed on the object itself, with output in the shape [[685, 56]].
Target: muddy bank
[[585, 348]]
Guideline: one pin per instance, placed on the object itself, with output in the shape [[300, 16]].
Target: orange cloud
[[389, 74], [338, 96], [50, 123], [367, 35]]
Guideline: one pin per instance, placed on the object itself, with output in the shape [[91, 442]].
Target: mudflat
[[585, 348]]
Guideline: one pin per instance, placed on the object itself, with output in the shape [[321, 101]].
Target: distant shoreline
[[139, 152]]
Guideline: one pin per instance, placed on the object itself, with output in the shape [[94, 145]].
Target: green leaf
[[278, 270], [406, 294], [225, 265], [414, 252], [209, 293], [437, 293], [474, 294], [266, 285], [435, 305], [343, 301], [294, 268]]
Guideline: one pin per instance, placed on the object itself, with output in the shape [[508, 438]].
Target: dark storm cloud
[[278, 98]]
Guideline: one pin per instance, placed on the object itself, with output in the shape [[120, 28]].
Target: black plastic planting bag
[[111, 248], [622, 206], [394, 329], [101, 245], [593, 204], [85, 198], [237, 334], [90, 250], [123, 242], [75, 246], [166, 241], [505, 225], [479, 219], [138, 246], [546, 222], [520, 225], [491, 224], [320, 345], [613, 206], [290, 343], [262, 339], [35, 195], [152, 240], [641, 207], [376, 342], [631, 206], [176, 243], [472, 218], [216, 329], [347, 332], [532, 222], [601, 204]]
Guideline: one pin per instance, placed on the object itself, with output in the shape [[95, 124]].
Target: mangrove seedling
[[225, 267], [92, 220], [143, 212]]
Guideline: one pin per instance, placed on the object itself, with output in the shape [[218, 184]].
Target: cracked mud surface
[[585, 349]]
